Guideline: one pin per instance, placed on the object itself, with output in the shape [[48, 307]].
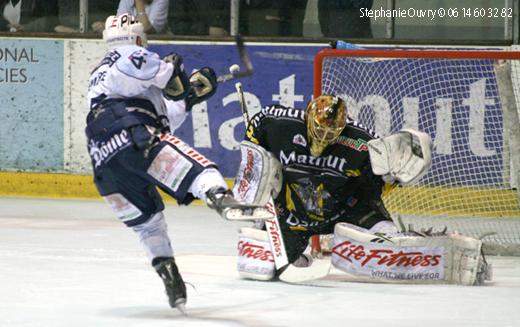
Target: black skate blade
[[180, 305]]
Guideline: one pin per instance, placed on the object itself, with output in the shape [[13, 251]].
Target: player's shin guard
[[153, 235], [173, 283]]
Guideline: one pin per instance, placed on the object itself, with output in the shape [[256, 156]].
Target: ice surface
[[72, 263]]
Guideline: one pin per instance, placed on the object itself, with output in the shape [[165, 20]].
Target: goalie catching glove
[[203, 85], [405, 156]]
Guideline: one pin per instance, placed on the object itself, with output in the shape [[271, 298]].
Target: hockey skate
[[175, 287], [222, 201]]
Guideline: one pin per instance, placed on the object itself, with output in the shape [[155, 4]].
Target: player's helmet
[[326, 117], [124, 30]]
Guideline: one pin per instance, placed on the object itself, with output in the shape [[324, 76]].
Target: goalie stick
[[299, 275], [291, 274]]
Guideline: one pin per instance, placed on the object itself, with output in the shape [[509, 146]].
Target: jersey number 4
[[138, 59]]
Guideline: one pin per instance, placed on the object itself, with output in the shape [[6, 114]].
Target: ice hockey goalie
[[333, 171]]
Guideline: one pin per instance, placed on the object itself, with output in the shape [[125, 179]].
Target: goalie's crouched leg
[[255, 258], [255, 255], [440, 259]]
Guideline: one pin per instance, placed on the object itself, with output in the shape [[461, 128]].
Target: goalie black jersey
[[337, 185]]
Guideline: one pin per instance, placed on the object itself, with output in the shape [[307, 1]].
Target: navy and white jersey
[[131, 71]]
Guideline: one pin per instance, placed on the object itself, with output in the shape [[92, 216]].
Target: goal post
[[467, 101]]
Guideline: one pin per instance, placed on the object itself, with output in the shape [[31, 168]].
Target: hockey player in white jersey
[[136, 101]]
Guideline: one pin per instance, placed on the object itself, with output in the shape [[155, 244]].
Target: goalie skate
[[223, 202]]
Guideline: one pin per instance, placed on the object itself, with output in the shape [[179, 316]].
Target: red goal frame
[[399, 53], [404, 53]]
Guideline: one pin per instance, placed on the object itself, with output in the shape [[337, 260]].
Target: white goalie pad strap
[[255, 259], [405, 156], [450, 259], [384, 227], [259, 176]]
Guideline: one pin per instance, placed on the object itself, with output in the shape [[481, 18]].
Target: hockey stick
[[292, 274], [242, 102], [234, 70], [297, 275]]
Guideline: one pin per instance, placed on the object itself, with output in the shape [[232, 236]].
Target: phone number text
[[432, 14]]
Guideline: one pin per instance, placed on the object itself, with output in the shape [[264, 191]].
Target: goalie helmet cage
[[467, 101]]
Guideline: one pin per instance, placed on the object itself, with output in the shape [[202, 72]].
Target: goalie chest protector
[[321, 186]]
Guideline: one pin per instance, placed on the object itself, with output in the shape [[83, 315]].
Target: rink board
[[23, 184], [42, 130]]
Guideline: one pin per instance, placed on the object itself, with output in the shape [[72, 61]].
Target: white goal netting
[[467, 101]]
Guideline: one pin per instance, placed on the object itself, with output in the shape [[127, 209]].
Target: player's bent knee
[[255, 258], [175, 166], [125, 210]]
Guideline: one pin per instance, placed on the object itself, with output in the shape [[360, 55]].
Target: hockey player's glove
[[178, 86], [203, 85]]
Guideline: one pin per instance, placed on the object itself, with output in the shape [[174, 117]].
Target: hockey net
[[467, 101]]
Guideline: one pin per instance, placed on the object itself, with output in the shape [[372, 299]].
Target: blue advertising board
[[31, 110], [455, 101], [282, 74]]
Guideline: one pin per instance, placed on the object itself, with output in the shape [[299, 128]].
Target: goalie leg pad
[[448, 259], [255, 258], [384, 227]]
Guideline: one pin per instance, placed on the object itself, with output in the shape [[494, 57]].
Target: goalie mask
[[124, 30], [326, 118]]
